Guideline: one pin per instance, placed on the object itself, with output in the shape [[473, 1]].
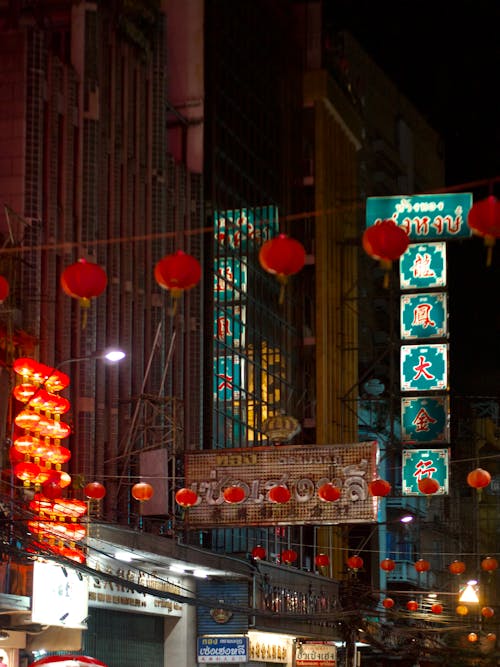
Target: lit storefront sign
[[424, 316], [316, 654], [425, 419], [60, 596], [301, 469], [424, 367], [424, 217], [222, 649], [423, 266], [241, 229], [269, 647], [420, 463]]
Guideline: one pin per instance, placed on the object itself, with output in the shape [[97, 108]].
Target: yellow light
[[469, 595]]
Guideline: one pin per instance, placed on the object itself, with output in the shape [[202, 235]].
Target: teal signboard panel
[[229, 326], [245, 228], [420, 463], [424, 367], [424, 315], [424, 217], [230, 279], [228, 377], [425, 420], [423, 266]]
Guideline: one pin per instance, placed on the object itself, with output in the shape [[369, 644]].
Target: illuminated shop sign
[[316, 654], [425, 419], [60, 596], [243, 228], [424, 217], [423, 266], [302, 470], [418, 464], [424, 367], [424, 316], [222, 649]]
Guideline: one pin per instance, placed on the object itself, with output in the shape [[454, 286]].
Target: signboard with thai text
[[424, 315], [300, 470], [420, 463], [425, 419], [424, 367], [316, 654], [424, 217], [423, 266], [222, 649]]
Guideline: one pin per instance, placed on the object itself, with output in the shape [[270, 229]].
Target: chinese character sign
[[424, 367], [424, 315], [423, 265], [418, 464], [425, 419]]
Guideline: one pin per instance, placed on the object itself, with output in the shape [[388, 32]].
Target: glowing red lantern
[[177, 273], [27, 419], [25, 444], [379, 487], [186, 497], [437, 608], [472, 637], [51, 490], [329, 493], [386, 242], [279, 494], [322, 560], [27, 472], [355, 563], [289, 556], [142, 491], [387, 564], [457, 567], [57, 455], [234, 494], [4, 289], [388, 603], [428, 485], [487, 612], [258, 553], [462, 610], [422, 565], [24, 391], [412, 605], [489, 564], [94, 490], [484, 220], [83, 281], [478, 478], [282, 256], [72, 554]]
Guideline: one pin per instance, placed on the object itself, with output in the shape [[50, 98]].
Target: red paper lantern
[[142, 491], [329, 493], [83, 281], [491, 637], [258, 553], [412, 605], [385, 242], [51, 490], [27, 472], [388, 603], [355, 563], [387, 564], [489, 564], [322, 560], [282, 256], [177, 273], [234, 494], [289, 556], [487, 612], [4, 289], [379, 487], [24, 391], [428, 485], [437, 608], [478, 478], [94, 490], [186, 497], [484, 220], [457, 567], [462, 610], [472, 637], [279, 494], [422, 565]]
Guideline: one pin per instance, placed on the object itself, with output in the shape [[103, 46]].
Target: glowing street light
[[469, 594]]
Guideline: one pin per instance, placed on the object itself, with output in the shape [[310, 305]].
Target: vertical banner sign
[[420, 463], [425, 419], [424, 367], [424, 315], [422, 266]]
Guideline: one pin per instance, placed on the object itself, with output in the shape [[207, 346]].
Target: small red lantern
[[322, 560], [94, 491], [386, 242], [478, 478], [484, 220], [387, 564], [51, 490], [487, 612], [379, 487], [489, 564], [4, 289], [234, 494], [462, 610], [437, 608], [177, 273], [457, 567], [27, 472], [422, 565], [428, 485], [258, 552], [142, 491], [186, 497], [491, 637], [472, 637], [279, 494], [282, 257], [412, 605], [355, 563], [329, 493], [388, 603], [83, 281], [289, 556]]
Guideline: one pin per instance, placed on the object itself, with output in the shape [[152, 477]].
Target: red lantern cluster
[[484, 220], [385, 242], [142, 491], [84, 281], [478, 478], [177, 273], [282, 257], [289, 556], [379, 487]]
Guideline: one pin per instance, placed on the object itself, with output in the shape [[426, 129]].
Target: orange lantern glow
[[487, 612], [379, 487], [329, 493], [484, 220], [412, 605], [428, 485], [27, 472], [27, 419], [457, 567], [388, 603], [282, 256], [24, 391], [489, 564], [385, 242], [142, 491], [491, 637], [289, 556], [478, 478], [462, 610], [472, 637], [279, 494], [186, 497], [26, 444], [84, 281], [258, 552], [94, 491], [387, 564], [355, 563], [234, 494], [422, 565]]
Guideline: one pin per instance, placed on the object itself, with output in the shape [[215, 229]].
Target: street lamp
[[112, 355], [469, 594]]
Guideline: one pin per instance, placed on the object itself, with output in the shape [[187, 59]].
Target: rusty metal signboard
[[301, 469]]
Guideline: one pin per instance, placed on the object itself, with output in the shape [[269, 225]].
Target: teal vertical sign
[[422, 266], [424, 315], [425, 420], [424, 367], [418, 464]]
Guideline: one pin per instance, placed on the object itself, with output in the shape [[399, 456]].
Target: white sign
[[60, 596]]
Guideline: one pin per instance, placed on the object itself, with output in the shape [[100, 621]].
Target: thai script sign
[[302, 470], [223, 649], [316, 654]]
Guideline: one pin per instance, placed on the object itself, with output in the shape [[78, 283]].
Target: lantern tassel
[[283, 279], [85, 304]]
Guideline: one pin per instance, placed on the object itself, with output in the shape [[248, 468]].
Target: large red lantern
[[379, 487], [186, 497], [142, 491], [83, 281], [234, 494], [289, 556], [177, 273], [4, 289], [322, 560], [258, 552], [484, 220], [428, 485], [478, 478], [412, 605], [437, 608], [386, 242], [388, 603], [329, 493], [282, 256], [279, 494], [94, 490], [422, 565], [489, 564], [457, 567], [387, 564], [51, 490], [355, 563]]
